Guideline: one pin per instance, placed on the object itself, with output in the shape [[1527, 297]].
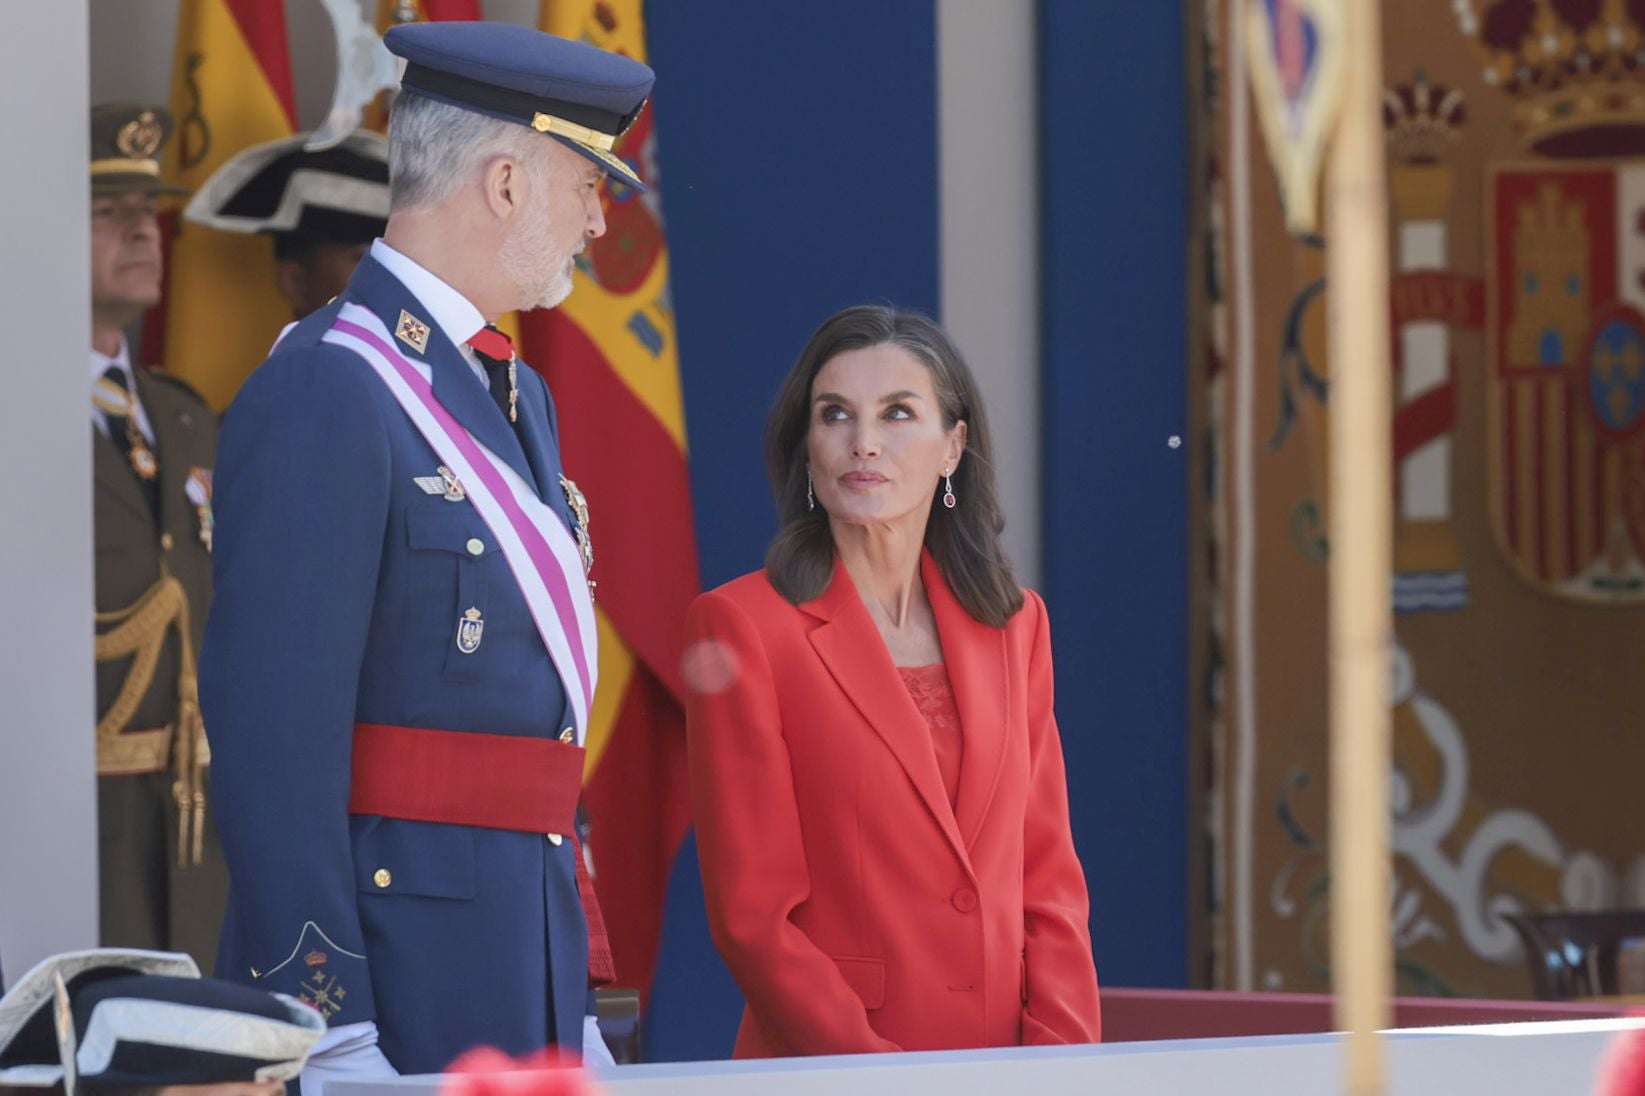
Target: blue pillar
[[798, 165], [1114, 280]]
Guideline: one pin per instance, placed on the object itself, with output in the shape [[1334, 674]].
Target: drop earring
[[948, 498], [810, 497]]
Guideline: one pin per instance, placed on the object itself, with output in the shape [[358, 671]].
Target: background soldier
[[322, 209], [153, 439]]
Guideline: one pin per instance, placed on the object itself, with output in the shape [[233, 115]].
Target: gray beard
[[542, 276]]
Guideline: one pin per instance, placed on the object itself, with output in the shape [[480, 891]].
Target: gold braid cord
[[139, 632]]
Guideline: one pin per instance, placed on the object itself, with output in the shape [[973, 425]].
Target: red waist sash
[[499, 781]]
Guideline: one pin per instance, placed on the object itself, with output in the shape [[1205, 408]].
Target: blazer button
[[965, 900], [555, 839], [476, 546], [568, 735], [382, 877]]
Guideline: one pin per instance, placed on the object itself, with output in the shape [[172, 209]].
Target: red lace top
[[934, 697]]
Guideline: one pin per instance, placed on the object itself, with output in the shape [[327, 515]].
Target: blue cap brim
[[615, 166]]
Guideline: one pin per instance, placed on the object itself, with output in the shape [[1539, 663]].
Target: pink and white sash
[[539, 548]]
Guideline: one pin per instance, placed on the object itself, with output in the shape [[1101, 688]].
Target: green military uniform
[[162, 875]]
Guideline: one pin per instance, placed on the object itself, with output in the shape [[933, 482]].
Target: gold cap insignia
[[140, 137]]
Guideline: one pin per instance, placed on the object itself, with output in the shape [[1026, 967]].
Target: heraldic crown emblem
[[1573, 70], [1565, 293], [1423, 120]]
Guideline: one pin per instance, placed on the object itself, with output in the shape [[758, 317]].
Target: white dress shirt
[[448, 309], [122, 360]]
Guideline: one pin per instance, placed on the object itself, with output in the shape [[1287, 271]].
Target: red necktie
[[493, 344], [496, 353]]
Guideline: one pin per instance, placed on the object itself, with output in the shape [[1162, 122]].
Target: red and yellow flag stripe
[[230, 88], [610, 357]]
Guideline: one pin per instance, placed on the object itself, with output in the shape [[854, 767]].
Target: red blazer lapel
[[855, 654], [977, 670]]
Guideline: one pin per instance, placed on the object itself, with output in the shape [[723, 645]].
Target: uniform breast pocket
[[454, 532]]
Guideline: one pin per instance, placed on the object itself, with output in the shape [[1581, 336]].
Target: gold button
[[165, 542], [382, 878], [555, 839], [475, 546], [568, 735]]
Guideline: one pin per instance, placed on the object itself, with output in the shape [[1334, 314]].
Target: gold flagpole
[[1361, 496]]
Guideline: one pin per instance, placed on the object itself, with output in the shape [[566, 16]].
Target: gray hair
[[434, 148]]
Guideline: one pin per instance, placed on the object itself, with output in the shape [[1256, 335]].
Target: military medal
[[114, 401], [470, 626], [198, 490], [143, 460], [579, 509], [445, 484], [453, 487]]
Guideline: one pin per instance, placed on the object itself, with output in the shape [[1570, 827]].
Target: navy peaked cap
[[582, 96]]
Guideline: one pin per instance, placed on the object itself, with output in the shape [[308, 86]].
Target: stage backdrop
[[1517, 208]]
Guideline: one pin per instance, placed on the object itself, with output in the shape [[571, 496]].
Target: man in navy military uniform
[[399, 661]]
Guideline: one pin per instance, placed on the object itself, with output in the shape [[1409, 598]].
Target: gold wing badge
[[579, 509]]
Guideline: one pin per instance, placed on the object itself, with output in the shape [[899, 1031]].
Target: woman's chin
[[861, 515]]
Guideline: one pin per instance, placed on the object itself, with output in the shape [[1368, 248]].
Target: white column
[[48, 807], [1425, 346], [988, 183]]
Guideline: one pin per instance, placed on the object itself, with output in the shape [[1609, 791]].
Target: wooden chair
[[1576, 955]]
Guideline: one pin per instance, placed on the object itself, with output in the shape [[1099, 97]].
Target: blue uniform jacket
[[339, 587]]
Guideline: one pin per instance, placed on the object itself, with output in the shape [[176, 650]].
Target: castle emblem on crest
[[1565, 295]]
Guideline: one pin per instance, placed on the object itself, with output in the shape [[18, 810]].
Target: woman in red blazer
[[881, 809]]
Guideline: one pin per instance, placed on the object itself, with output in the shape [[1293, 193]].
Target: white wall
[[48, 814], [987, 106]]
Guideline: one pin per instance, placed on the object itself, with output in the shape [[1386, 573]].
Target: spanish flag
[[230, 88], [609, 355], [391, 13]]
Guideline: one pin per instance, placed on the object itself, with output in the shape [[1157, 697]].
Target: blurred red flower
[[486, 1071]]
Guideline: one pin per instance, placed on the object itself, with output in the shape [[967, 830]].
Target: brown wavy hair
[[965, 541]]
